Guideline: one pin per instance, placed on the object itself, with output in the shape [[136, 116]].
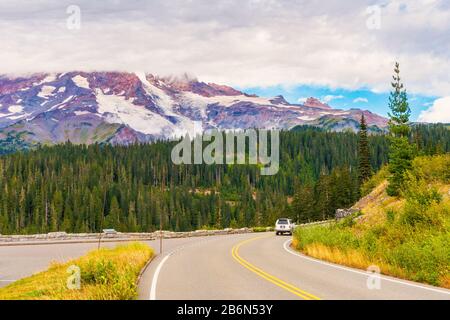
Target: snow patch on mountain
[[117, 109], [82, 113], [62, 104], [20, 116], [162, 99], [15, 109], [306, 118], [226, 101], [48, 78], [14, 112], [81, 81], [46, 91]]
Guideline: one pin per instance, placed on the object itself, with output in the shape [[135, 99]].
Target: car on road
[[284, 225]]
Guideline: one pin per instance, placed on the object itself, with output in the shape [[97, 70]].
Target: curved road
[[23, 260], [262, 266], [235, 267]]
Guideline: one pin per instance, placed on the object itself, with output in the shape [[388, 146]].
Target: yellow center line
[[272, 279]]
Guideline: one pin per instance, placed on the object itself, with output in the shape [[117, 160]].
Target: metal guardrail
[[316, 223], [62, 237], [105, 237]]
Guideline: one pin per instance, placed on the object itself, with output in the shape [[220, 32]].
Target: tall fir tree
[[56, 210], [401, 152], [364, 167], [303, 203], [112, 220]]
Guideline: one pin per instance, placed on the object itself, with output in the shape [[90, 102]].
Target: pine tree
[[364, 167], [303, 204], [22, 210], [56, 210], [131, 219], [323, 197], [112, 220], [400, 152]]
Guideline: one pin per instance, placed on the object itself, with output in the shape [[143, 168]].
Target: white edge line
[[158, 269], [155, 277], [285, 246]]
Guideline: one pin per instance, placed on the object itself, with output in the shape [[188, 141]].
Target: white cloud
[[360, 99], [238, 42], [331, 97], [302, 99], [439, 112]]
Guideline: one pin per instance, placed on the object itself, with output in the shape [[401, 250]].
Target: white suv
[[284, 225]]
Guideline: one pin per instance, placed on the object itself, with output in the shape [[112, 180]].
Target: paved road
[[239, 267], [262, 266], [17, 262]]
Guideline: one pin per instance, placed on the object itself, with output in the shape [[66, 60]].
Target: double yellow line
[[278, 282]]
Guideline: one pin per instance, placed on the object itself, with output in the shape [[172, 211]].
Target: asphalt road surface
[[262, 266], [234, 267]]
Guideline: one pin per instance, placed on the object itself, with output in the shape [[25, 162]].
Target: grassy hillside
[[106, 274], [406, 236]]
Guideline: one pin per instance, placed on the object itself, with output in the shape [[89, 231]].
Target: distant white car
[[109, 231], [284, 225]]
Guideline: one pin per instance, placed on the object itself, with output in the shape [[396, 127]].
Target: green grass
[[262, 229], [410, 240], [106, 274]]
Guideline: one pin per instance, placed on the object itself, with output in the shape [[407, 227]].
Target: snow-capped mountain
[[137, 107]]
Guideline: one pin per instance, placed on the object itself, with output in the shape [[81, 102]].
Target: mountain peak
[[279, 100], [315, 103], [124, 107], [188, 83]]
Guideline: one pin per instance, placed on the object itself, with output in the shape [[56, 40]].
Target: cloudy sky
[[339, 51]]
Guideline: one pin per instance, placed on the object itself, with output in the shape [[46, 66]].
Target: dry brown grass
[[374, 207], [350, 258]]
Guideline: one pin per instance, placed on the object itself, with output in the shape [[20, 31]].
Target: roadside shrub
[[390, 216], [98, 272], [370, 243], [206, 227], [262, 229], [432, 216], [426, 260], [349, 221], [432, 168], [420, 192], [333, 236], [421, 202]]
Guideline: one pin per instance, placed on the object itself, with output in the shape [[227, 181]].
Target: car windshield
[[282, 221]]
